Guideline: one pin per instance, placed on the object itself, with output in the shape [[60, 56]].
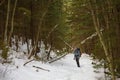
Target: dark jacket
[[77, 53]]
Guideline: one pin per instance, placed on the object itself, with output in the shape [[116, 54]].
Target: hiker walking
[[77, 55]]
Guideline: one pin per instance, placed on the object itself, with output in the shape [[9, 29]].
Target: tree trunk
[[48, 54], [58, 58], [28, 45], [12, 22], [7, 19]]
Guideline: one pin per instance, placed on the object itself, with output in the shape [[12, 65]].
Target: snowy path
[[64, 69]]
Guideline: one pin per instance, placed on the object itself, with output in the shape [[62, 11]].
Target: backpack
[[77, 53]]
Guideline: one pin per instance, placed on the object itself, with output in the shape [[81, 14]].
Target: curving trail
[[64, 69]]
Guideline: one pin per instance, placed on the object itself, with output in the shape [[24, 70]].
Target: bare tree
[[12, 21], [7, 19]]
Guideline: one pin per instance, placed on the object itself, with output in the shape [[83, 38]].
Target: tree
[[7, 19], [96, 21], [12, 22]]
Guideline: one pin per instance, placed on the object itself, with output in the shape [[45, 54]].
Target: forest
[[62, 25]]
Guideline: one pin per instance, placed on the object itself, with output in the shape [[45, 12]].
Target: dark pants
[[77, 61]]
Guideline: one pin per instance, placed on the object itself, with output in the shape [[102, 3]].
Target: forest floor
[[63, 69]]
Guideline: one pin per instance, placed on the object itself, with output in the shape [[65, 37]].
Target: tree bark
[[58, 58], [7, 19], [48, 54], [28, 62], [12, 22], [41, 68]]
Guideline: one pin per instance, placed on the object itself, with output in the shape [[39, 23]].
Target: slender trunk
[[12, 22], [105, 70], [28, 48], [58, 58], [16, 42], [51, 31], [48, 55], [7, 19]]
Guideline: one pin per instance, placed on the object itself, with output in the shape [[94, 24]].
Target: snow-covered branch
[[91, 36]]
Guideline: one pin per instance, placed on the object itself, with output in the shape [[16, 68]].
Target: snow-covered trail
[[64, 69]]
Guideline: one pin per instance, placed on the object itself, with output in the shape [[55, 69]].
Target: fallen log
[[41, 68], [28, 62], [53, 60]]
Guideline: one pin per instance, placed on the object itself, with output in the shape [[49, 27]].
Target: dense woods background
[[93, 25]]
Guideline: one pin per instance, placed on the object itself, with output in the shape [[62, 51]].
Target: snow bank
[[64, 69]]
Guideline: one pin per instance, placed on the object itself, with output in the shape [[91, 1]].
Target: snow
[[91, 36], [63, 69]]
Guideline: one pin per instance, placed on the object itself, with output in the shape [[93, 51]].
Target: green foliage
[[97, 65], [118, 69], [28, 12], [4, 49], [98, 50], [79, 22]]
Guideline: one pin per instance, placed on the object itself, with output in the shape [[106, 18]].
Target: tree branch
[[41, 68]]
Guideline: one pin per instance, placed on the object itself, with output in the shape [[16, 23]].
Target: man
[[77, 55]]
